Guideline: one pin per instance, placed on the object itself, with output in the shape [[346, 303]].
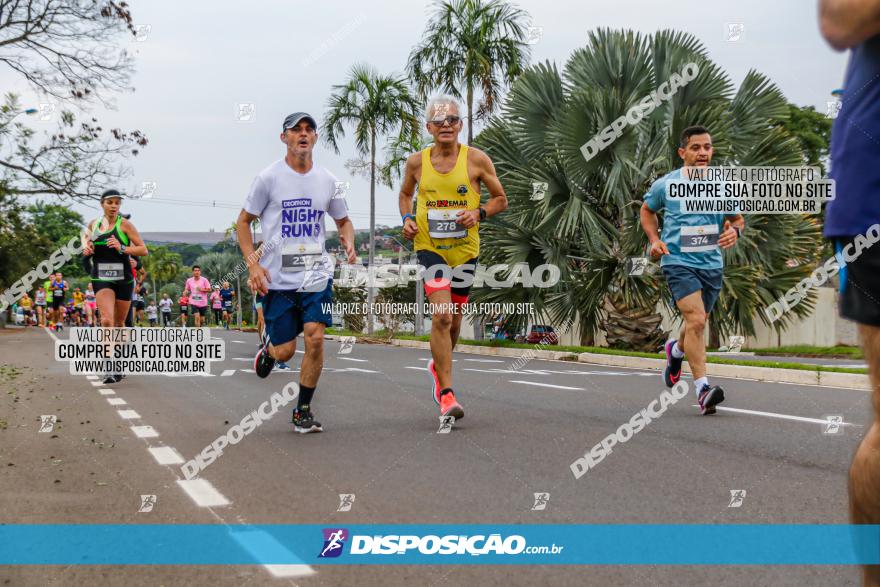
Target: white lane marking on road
[[116, 401], [280, 571], [106, 392], [548, 385], [782, 416], [52, 334], [227, 372], [203, 493], [421, 368], [301, 352], [484, 360], [242, 359], [355, 370], [166, 455], [92, 377], [96, 383], [144, 431], [353, 359], [510, 371], [240, 341], [128, 414], [263, 545], [453, 360]]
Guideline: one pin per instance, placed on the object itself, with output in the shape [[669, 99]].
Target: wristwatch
[[122, 248], [482, 214]]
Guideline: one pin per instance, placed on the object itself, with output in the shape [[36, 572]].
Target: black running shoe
[[709, 398], [304, 422], [109, 378], [263, 362], [672, 373]]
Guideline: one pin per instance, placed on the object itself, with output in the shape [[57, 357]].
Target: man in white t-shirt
[[292, 275], [165, 308], [199, 288]]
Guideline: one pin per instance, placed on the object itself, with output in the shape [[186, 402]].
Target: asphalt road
[[522, 430]]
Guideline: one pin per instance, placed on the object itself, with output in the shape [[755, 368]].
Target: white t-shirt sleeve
[[337, 207], [258, 198]]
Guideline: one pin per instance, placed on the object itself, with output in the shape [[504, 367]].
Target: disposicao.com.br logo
[[411, 544]]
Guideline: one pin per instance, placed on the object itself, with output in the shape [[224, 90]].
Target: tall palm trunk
[[632, 328], [370, 291], [470, 114]]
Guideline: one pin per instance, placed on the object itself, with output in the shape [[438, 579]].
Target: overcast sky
[[201, 59]]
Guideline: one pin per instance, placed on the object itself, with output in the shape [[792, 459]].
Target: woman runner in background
[[110, 241]]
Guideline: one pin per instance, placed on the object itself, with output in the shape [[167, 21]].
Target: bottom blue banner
[[368, 544]]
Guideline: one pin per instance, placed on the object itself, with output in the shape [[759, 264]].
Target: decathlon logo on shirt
[[297, 203], [298, 218]]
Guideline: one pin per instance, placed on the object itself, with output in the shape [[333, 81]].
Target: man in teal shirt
[[690, 247]]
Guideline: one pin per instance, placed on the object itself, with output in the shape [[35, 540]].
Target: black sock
[[445, 390], [303, 403]]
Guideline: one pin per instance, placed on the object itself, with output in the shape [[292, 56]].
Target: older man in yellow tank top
[[445, 231]]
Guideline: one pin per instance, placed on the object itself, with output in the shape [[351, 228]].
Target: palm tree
[[474, 45], [162, 264], [376, 106], [588, 221]]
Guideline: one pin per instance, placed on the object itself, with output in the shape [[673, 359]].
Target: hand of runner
[[349, 250], [658, 249], [410, 229], [258, 279], [88, 249], [468, 218], [729, 237], [112, 242]]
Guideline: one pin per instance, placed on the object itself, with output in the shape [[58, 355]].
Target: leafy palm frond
[[588, 221], [470, 46]]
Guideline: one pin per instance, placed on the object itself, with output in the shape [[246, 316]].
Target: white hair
[[436, 106]]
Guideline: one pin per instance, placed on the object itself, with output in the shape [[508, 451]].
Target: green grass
[[607, 351], [802, 350]]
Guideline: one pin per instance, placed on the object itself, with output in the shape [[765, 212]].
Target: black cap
[[293, 119], [110, 194]]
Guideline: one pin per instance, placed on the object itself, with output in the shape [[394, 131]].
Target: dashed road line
[[144, 431], [128, 414], [548, 385], [166, 455], [203, 493]]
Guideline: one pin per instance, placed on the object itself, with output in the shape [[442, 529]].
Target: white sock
[[700, 383], [676, 351]]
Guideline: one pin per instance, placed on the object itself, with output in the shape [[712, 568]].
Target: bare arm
[[497, 199], [245, 237], [136, 245], [258, 276], [651, 226], [346, 236], [407, 189], [846, 23]]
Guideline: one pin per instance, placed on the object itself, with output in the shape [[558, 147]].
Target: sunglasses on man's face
[[452, 120]]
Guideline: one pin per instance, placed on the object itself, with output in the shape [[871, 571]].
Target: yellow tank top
[[441, 196]]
